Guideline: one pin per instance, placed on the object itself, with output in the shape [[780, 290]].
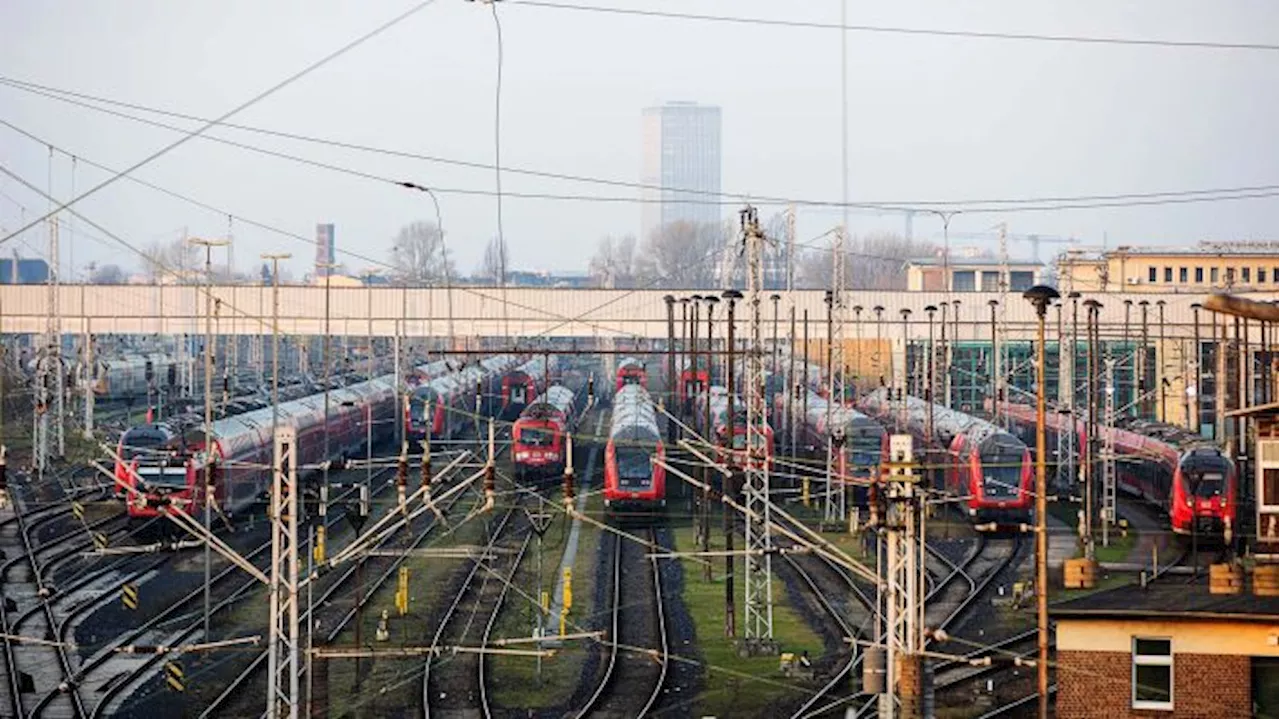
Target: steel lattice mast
[[833, 507], [283, 646], [759, 580]]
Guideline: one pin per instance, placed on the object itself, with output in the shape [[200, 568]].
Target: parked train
[[718, 432], [134, 376], [861, 441], [987, 467], [538, 436], [443, 407], [693, 379], [1187, 477], [159, 465], [631, 371], [633, 483], [524, 383]]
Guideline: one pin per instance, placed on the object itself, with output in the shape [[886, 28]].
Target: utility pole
[[1160, 365], [1193, 408], [833, 505], [758, 583], [1089, 450], [995, 388], [210, 491], [1108, 455], [711, 301], [730, 620], [671, 365], [1040, 296]]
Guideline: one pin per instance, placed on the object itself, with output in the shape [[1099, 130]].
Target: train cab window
[[634, 470], [517, 394], [1207, 485], [1152, 673], [1001, 476], [144, 442], [535, 437]]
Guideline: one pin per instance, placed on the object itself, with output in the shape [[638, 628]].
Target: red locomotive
[[539, 434], [631, 371], [521, 385], [1184, 475], [158, 467], [633, 482], [986, 467]]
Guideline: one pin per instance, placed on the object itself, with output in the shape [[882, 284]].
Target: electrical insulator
[[364, 500]]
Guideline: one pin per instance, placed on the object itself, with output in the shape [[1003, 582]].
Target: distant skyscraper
[[326, 252], [681, 146]]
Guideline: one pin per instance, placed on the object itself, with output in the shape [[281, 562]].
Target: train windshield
[[1205, 473], [145, 444], [1001, 476], [634, 470], [631, 376], [536, 437]]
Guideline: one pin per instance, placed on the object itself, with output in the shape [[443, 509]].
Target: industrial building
[[1206, 267]]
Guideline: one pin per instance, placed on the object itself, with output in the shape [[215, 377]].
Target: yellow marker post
[[129, 596], [564, 616], [174, 677], [546, 602], [402, 591], [318, 551], [804, 490], [567, 598]]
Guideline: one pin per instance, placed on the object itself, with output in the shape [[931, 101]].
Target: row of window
[[1152, 677], [1247, 275]]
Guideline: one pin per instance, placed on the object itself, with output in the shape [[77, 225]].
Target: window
[[990, 281], [1213, 275], [1262, 275], [1275, 274], [1168, 274], [962, 281], [1264, 684], [1244, 275], [1151, 274], [1182, 275], [1020, 281], [1231, 275], [1199, 274], [1152, 673]]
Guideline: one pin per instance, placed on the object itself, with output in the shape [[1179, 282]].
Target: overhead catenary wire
[[979, 205], [188, 136], [902, 30]]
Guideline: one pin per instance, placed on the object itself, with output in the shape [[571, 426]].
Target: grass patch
[[1121, 546], [1106, 581], [734, 686]]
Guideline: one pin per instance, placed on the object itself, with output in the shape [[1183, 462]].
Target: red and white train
[[719, 430], [524, 383], [861, 439], [1185, 476], [538, 436], [633, 482], [693, 379], [989, 469], [631, 371], [443, 407], [157, 466]]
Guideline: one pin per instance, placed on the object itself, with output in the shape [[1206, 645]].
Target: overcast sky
[[930, 118]]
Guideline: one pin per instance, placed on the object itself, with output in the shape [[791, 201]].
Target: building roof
[[1204, 249], [961, 263], [1168, 599]]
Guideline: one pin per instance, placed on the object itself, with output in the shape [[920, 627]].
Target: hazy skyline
[[930, 118]]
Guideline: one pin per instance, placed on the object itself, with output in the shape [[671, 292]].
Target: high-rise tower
[[681, 154]]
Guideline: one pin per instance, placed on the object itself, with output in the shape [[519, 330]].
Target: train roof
[[557, 400], [630, 362], [634, 416], [853, 422], [947, 423]]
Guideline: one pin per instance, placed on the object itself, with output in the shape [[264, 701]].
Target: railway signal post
[[901, 590], [282, 648]]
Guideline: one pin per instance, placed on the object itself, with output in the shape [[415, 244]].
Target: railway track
[[331, 612], [634, 673], [110, 678], [48, 542], [469, 620]]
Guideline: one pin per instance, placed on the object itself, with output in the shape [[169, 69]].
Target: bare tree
[[418, 253], [107, 275], [494, 265], [176, 259], [682, 254], [615, 258], [874, 262]]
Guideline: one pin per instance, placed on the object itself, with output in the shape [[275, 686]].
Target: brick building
[[1170, 650]]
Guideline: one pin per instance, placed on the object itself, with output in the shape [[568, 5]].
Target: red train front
[[988, 469], [538, 436], [693, 381], [523, 384], [633, 483], [631, 371], [158, 456]]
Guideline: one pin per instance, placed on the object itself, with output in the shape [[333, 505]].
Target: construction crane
[[1033, 239]]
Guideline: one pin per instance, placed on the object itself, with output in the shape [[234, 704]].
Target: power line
[[902, 30], [728, 198], [242, 106]]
